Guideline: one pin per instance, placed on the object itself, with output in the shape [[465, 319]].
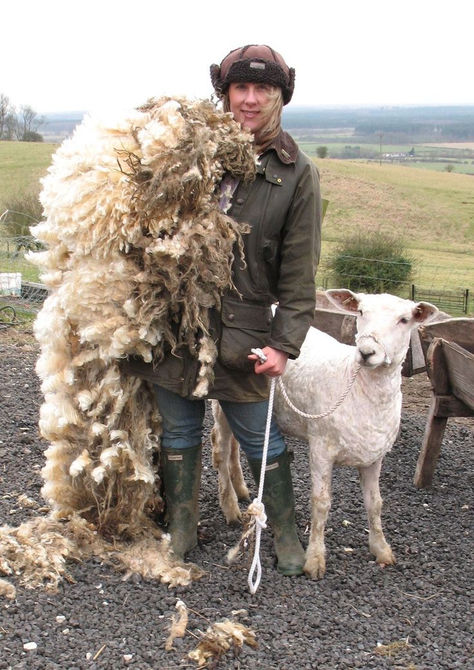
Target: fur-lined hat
[[254, 63]]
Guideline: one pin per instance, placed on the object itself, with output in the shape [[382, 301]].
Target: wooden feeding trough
[[448, 347]]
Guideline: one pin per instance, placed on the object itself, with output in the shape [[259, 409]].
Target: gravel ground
[[414, 615]]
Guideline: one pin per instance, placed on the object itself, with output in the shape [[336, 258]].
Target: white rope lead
[[257, 508]]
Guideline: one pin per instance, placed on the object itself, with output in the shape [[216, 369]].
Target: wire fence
[[22, 295]]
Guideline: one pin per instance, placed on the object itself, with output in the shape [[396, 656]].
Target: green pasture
[[22, 164]]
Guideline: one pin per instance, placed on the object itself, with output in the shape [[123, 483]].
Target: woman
[[282, 206]]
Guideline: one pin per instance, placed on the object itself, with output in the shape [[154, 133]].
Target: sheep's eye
[[403, 319], [360, 311]]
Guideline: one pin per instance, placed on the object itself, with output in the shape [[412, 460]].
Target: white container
[[10, 283]]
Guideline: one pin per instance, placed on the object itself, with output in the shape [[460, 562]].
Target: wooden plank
[[430, 448], [414, 362], [460, 365], [449, 406], [436, 368], [339, 325], [460, 330]]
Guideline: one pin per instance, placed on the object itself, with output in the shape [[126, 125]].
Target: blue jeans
[[183, 423]]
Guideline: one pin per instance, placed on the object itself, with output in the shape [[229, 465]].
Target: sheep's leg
[[369, 479], [224, 447], [321, 473], [236, 474]]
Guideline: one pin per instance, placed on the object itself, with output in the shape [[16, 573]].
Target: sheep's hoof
[[315, 567], [243, 494], [233, 516], [386, 557], [234, 521]]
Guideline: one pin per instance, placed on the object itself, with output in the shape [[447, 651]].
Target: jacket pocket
[[244, 327]]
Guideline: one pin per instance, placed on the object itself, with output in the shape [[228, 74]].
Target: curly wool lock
[[138, 251]]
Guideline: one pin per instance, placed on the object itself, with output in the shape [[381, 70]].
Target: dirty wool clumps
[[38, 551], [219, 638], [137, 251]]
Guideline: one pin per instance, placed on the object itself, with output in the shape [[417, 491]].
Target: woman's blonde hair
[[272, 111]]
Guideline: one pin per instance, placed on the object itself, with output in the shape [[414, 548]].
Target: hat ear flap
[[291, 85], [216, 78]]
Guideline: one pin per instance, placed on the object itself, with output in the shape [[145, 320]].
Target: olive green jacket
[[283, 207]]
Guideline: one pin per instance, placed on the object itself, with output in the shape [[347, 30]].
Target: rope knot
[[257, 510]]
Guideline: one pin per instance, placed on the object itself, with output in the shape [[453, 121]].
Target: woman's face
[[248, 103]]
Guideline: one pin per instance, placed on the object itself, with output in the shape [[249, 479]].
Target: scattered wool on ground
[[219, 638], [37, 551], [178, 624]]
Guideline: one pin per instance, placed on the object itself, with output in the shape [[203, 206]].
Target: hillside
[[432, 211], [425, 207]]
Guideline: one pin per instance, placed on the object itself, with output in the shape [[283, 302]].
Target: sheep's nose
[[366, 354]]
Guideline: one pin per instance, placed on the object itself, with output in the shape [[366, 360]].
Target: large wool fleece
[[138, 250]]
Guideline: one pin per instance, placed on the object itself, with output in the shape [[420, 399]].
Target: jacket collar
[[284, 146]]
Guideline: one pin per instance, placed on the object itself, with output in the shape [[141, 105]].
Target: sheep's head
[[384, 324]]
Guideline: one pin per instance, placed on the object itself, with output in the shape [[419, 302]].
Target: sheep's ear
[[424, 311], [343, 299]]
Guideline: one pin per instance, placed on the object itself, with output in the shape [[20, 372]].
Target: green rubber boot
[[279, 502], [181, 474]]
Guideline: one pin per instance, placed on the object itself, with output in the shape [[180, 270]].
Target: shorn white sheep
[[357, 433]]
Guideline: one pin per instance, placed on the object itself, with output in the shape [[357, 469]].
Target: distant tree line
[[22, 124]]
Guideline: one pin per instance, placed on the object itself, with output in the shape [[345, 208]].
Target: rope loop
[[256, 507]]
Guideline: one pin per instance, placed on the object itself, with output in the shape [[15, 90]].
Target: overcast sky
[[96, 55]]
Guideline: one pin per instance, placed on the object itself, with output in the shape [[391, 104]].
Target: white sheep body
[[359, 432], [370, 415]]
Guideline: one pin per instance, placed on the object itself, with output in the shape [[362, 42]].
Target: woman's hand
[[275, 364]]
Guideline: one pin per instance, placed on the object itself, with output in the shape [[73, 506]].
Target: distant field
[[451, 145], [460, 157]]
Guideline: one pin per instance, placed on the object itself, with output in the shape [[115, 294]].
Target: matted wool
[[138, 251]]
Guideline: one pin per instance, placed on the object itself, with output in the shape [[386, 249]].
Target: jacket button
[[231, 317], [240, 201]]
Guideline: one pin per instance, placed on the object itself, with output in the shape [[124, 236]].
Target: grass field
[[22, 164], [432, 211]]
